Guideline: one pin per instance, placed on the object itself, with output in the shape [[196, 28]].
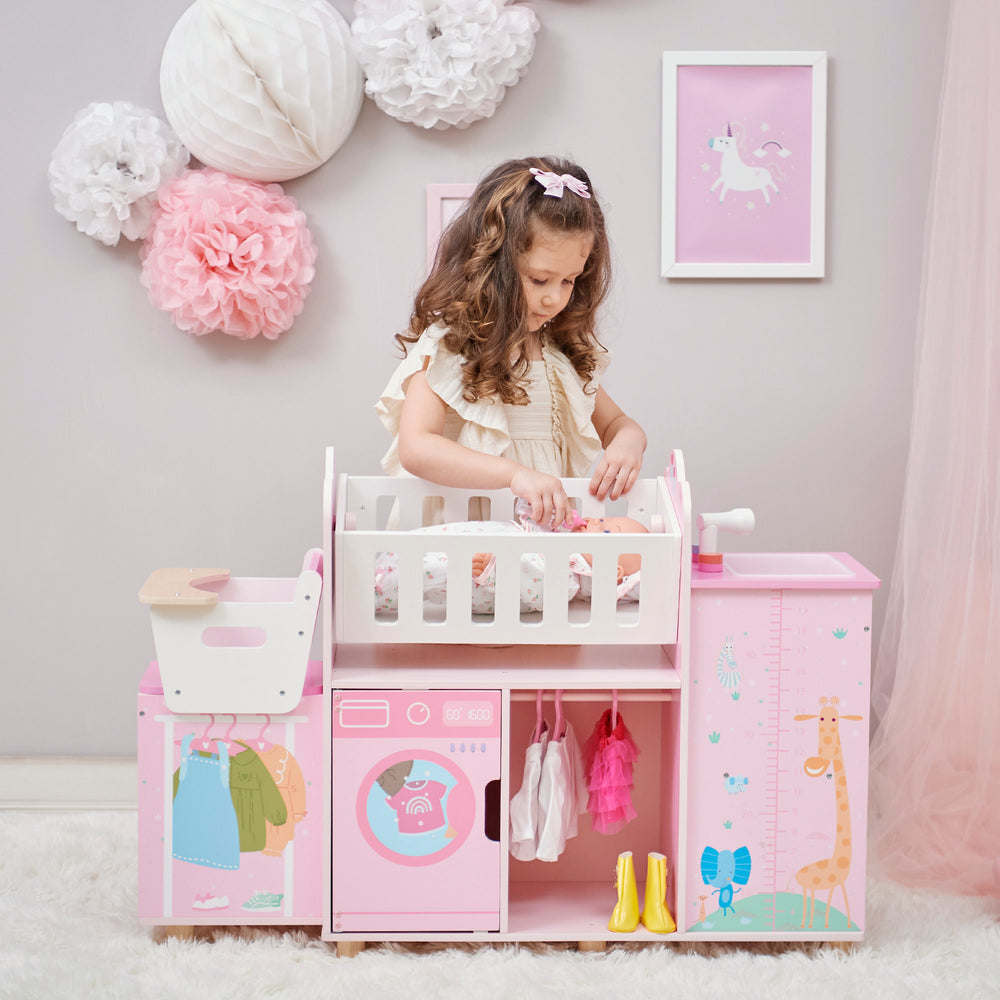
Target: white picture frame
[[721, 107]]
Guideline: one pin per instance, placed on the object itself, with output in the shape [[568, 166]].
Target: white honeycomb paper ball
[[267, 90]]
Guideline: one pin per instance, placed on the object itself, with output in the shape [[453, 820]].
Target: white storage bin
[[235, 645]]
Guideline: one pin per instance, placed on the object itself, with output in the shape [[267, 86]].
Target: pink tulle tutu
[[608, 756]]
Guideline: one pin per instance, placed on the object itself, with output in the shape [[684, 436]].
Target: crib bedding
[[531, 575]]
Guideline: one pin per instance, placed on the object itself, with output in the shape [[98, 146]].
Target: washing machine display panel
[[471, 714]]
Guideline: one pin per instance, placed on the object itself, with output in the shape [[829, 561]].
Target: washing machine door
[[415, 793]]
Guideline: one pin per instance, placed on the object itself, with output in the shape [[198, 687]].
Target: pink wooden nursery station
[[434, 776]]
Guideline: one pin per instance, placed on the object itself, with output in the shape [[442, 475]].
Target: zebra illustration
[[726, 667]]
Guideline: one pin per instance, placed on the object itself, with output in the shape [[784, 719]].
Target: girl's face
[[549, 270]]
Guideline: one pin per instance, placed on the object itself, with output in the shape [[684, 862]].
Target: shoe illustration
[[206, 901], [264, 902]]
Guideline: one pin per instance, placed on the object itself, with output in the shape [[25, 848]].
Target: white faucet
[[739, 520]]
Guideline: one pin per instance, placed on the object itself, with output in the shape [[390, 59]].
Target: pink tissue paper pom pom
[[228, 254]]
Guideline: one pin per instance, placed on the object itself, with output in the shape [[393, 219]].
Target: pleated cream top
[[553, 434]]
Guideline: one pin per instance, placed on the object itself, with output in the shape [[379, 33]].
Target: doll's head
[[477, 287], [628, 562], [611, 526]]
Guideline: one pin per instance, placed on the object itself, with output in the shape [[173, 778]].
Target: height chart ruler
[[757, 816], [776, 735]]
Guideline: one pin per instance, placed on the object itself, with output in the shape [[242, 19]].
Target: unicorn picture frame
[[744, 165]]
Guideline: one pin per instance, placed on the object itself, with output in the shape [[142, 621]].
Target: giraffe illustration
[[833, 871]]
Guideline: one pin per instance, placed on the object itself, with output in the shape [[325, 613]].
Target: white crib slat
[[508, 593], [411, 584], [459, 589], [603, 600], [555, 591]]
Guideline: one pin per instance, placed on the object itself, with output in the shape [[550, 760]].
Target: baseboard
[[68, 782]]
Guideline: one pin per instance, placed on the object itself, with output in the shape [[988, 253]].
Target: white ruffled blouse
[[554, 434]]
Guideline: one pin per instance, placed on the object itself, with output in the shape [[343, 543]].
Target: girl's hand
[[545, 493], [617, 471], [624, 445]]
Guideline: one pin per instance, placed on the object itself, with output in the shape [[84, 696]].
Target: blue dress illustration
[[205, 831]]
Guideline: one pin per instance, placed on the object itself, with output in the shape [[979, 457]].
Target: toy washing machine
[[416, 811]]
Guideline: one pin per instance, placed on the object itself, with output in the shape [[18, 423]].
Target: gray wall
[[128, 445]]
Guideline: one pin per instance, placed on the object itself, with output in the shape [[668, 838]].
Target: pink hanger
[[226, 739], [560, 731], [263, 744], [536, 736], [614, 708], [204, 741]]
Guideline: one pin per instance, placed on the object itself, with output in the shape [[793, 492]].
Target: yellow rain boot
[[625, 917], [655, 914]]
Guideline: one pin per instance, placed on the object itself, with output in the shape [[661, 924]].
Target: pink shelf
[[568, 667], [568, 911]]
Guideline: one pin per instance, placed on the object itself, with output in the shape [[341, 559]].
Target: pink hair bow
[[555, 184]]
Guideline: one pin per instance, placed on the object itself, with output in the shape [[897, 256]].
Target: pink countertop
[[786, 571]]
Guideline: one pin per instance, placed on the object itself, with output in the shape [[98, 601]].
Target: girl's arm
[[624, 445], [425, 452]]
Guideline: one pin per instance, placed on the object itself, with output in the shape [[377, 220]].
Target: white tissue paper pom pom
[[441, 63], [108, 166], [267, 90]]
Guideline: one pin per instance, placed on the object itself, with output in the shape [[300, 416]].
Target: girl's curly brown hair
[[475, 289]]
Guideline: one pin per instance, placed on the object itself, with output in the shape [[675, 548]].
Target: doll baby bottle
[[522, 514]]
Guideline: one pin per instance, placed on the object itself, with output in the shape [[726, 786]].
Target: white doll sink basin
[[785, 564]]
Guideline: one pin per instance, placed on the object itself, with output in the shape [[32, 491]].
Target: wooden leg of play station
[[348, 949], [590, 945], [179, 932], [845, 946]]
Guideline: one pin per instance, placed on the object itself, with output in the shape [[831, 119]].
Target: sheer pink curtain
[[936, 692]]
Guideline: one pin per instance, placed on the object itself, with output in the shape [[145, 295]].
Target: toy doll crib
[[363, 506]]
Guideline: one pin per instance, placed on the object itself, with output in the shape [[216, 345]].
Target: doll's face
[[628, 562], [612, 525]]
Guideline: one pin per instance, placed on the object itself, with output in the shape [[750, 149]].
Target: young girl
[[500, 386]]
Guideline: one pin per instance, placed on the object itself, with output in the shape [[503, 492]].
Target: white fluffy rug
[[67, 913]]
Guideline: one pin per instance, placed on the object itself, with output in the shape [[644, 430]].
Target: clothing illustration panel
[[253, 795]]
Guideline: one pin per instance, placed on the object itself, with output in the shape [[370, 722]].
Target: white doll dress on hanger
[[562, 790], [524, 805]]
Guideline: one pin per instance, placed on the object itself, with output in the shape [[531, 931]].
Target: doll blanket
[[435, 573]]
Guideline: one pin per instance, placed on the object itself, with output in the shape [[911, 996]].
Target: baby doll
[[628, 562]]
